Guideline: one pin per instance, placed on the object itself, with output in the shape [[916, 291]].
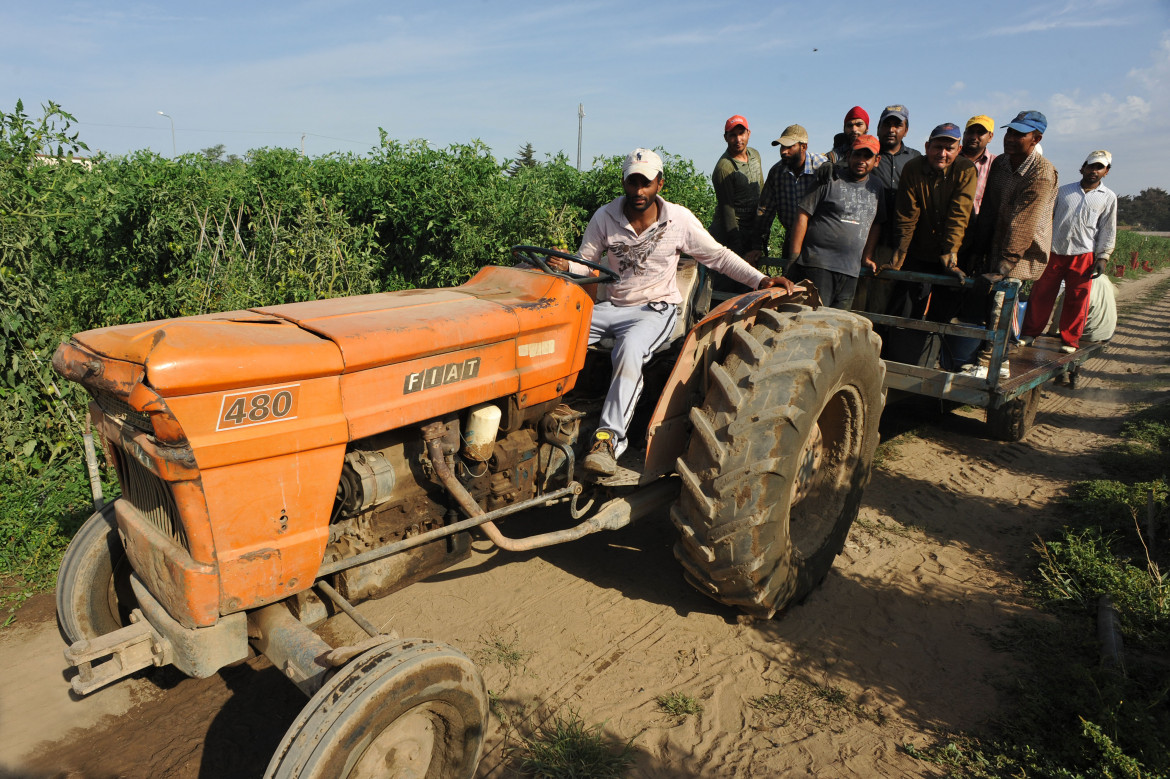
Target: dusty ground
[[887, 652]]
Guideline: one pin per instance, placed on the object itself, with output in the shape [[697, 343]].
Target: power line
[[221, 132]]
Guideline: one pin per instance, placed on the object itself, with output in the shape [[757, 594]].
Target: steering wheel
[[537, 255]]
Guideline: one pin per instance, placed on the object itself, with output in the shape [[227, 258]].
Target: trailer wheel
[[779, 456], [408, 708], [93, 583], [1013, 420]]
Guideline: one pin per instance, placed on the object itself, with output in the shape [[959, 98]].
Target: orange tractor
[[280, 464]]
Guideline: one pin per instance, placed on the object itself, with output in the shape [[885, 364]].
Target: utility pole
[[580, 121], [175, 152]]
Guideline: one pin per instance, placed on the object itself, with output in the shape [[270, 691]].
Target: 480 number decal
[[240, 409]]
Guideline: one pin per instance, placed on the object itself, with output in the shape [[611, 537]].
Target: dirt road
[[887, 652]]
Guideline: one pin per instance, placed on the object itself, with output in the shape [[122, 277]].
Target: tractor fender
[[669, 426]]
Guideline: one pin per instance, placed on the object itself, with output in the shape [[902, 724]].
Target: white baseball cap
[[1101, 156], [643, 161]]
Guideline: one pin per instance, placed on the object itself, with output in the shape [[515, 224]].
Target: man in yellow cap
[[976, 137]]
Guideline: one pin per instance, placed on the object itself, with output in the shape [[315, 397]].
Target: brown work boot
[[601, 461]]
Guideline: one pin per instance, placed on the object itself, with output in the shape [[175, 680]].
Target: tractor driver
[[642, 237]]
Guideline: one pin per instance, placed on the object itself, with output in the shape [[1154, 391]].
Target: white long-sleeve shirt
[[647, 263], [1084, 222]]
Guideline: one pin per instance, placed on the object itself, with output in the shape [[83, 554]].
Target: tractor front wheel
[[779, 456], [93, 583], [409, 708]]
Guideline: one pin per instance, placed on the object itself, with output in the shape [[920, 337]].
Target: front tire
[[408, 708], [779, 456], [93, 583]]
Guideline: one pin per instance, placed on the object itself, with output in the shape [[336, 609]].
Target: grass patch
[[679, 704], [497, 647], [566, 747]]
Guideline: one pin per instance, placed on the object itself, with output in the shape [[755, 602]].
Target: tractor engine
[[388, 491]]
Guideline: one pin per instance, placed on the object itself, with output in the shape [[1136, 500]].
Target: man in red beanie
[[856, 125]]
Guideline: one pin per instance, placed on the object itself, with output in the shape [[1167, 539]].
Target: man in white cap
[[1084, 231], [640, 236]]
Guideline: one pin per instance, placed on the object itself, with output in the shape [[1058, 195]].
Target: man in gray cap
[[788, 182], [873, 294], [892, 128]]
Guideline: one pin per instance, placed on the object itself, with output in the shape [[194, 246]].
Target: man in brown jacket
[[933, 208]]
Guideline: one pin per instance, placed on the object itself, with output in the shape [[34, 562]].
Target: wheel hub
[[404, 749], [809, 464]]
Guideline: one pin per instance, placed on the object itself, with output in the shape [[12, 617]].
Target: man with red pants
[[1084, 231]]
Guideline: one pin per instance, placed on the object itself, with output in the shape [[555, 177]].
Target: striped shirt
[[782, 194], [1084, 222], [982, 165]]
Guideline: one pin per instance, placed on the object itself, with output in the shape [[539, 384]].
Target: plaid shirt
[[1019, 214], [782, 194]]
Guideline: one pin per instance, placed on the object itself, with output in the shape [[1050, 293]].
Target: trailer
[[1011, 400]]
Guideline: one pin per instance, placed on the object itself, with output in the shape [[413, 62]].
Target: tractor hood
[[298, 341], [209, 353], [393, 327]]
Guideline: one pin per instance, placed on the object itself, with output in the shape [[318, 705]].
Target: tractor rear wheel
[[93, 583], [779, 456], [408, 708]]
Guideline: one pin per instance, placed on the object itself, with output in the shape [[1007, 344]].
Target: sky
[[325, 76]]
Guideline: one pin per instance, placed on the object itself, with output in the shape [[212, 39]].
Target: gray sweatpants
[[638, 331]]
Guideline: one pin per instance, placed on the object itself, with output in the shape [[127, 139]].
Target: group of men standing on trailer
[[870, 201]]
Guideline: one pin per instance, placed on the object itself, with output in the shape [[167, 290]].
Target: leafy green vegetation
[[1071, 713], [142, 237], [1153, 251], [1148, 211]]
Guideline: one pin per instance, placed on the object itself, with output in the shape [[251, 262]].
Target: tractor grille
[[152, 497], [115, 408]]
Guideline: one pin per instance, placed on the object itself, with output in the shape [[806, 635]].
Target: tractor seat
[[694, 286]]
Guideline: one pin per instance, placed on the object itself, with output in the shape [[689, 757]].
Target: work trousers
[[1076, 271], [836, 289], [638, 331]]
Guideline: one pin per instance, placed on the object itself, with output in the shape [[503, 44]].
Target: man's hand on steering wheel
[[557, 262]]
